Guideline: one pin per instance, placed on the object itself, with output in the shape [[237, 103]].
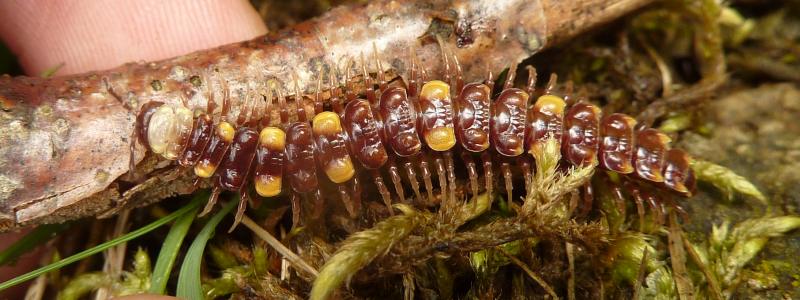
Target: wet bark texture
[[65, 141]]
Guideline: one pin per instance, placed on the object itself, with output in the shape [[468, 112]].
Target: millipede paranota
[[402, 130]]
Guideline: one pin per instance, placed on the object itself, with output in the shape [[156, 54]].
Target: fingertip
[[96, 35]]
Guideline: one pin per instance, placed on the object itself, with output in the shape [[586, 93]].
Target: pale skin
[[87, 35]]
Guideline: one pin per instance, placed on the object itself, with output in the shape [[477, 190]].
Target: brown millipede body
[[408, 130]]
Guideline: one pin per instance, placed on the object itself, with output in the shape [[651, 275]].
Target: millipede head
[[143, 121]]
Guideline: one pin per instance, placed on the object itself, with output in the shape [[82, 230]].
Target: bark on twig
[[66, 141]]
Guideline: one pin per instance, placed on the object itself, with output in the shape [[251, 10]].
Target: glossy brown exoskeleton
[[407, 128]]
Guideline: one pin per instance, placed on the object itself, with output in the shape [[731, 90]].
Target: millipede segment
[[403, 131]]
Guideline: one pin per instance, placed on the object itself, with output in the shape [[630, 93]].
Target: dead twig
[[287, 253], [66, 140], [522, 265]]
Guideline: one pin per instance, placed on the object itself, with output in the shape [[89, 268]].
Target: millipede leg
[[447, 73], [531, 87], [226, 101], [489, 81], [637, 198], [664, 211], [506, 169], [296, 207], [348, 83], [243, 199], [318, 206], [487, 171], [355, 188], [344, 193], [459, 77], [412, 77], [244, 112], [451, 174], [471, 171], [283, 108], [211, 201], [426, 177], [387, 198], [619, 200], [442, 173], [569, 98], [412, 178], [512, 72], [318, 103], [551, 84], [379, 69], [398, 184], [655, 205], [527, 173], [209, 97], [588, 199], [681, 211]]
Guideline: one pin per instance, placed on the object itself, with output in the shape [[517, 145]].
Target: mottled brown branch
[[65, 141]]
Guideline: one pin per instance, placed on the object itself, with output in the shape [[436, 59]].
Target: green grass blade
[[38, 236], [171, 247], [189, 284], [102, 247]]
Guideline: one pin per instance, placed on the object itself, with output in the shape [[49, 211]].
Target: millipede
[[404, 131]]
